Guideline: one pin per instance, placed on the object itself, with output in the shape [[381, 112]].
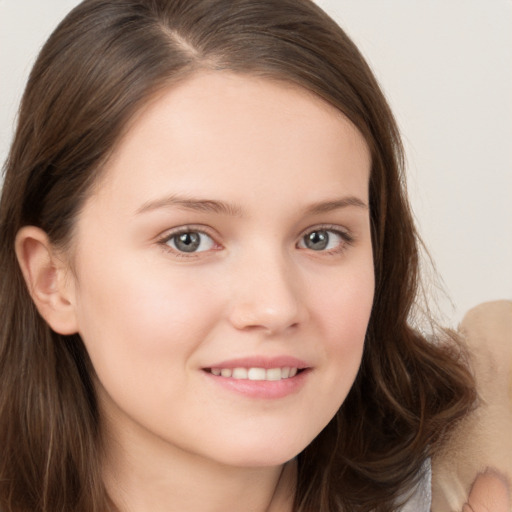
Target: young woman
[[208, 266]]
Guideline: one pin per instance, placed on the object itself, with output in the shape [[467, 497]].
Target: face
[[223, 270]]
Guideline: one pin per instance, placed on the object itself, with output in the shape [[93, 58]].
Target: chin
[[259, 460], [261, 453]]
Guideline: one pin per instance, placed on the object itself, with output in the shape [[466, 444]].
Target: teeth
[[271, 374], [256, 374], [240, 373], [274, 374]]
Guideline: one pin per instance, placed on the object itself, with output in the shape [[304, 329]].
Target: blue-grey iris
[[317, 240], [187, 242]]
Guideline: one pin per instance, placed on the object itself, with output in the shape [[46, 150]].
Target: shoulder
[[482, 441]]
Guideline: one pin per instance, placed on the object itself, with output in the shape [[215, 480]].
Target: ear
[[48, 279]]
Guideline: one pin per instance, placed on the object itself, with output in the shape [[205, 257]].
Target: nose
[[267, 295]]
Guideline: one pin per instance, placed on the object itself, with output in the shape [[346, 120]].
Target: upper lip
[[262, 362]]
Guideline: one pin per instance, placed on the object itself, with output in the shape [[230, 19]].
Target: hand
[[490, 492]]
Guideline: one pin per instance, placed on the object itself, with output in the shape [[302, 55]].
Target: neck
[[153, 477]]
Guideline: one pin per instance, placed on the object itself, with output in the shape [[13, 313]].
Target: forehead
[[219, 131]]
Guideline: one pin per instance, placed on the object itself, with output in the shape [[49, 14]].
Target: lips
[[260, 377], [262, 362]]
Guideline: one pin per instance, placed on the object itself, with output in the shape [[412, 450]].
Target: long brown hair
[[102, 63]]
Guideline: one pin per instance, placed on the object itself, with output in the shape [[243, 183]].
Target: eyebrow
[[336, 204], [194, 204], [234, 210]]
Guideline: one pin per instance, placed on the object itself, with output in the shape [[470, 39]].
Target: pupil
[[318, 240], [187, 242]]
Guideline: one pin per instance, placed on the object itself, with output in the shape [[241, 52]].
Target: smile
[[268, 374]]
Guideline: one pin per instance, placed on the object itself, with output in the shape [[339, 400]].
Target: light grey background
[[446, 68]]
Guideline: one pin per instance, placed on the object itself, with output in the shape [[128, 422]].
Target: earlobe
[[47, 279]]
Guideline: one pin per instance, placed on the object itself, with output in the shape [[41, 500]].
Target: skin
[[489, 493], [153, 319]]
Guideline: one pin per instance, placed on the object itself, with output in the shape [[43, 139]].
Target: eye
[[189, 241], [328, 240]]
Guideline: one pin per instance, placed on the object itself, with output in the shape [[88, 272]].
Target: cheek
[[342, 314], [139, 310], [344, 309], [341, 343], [140, 329]]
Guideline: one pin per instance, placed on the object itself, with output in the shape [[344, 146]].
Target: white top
[[421, 499]]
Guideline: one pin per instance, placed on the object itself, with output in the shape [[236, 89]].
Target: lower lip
[[264, 389]]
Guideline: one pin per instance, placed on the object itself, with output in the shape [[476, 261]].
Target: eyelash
[[346, 237]]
